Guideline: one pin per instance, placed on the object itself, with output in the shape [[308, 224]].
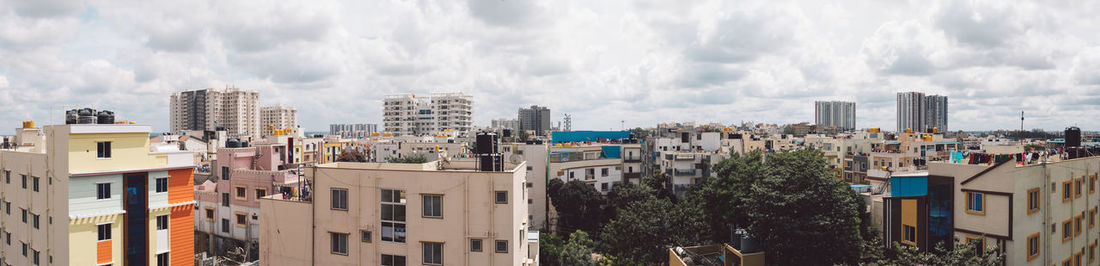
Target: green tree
[[723, 197], [623, 194], [801, 214], [579, 207], [578, 251], [413, 158], [644, 230], [550, 247], [661, 184], [961, 254]]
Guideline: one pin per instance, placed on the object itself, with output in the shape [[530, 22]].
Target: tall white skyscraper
[[835, 113], [278, 117], [406, 114], [921, 113], [206, 109]]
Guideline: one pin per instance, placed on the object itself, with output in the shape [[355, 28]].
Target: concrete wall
[[284, 235]]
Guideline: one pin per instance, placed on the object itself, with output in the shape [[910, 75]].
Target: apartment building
[[839, 114], [536, 154], [95, 194], [238, 111], [278, 117], [600, 165], [407, 114], [920, 112], [229, 205], [352, 130], [402, 214], [1038, 214], [535, 119], [502, 123]]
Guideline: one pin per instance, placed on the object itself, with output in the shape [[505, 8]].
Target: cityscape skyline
[[660, 64]]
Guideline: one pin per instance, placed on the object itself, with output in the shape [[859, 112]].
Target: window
[[1078, 189], [242, 219], [34, 254], [393, 215], [225, 225], [339, 243], [910, 234], [162, 185], [209, 214], [1077, 225], [603, 186], [24, 181], [502, 197], [1068, 261], [433, 206], [1033, 246], [433, 253], [1092, 183], [261, 192], [1092, 252], [35, 183], [241, 193], [225, 172], [475, 245], [1077, 259], [1033, 200], [502, 246], [24, 249], [103, 231], [364, 236], [103, 149], [979, 243], [1067, 230], [603, 172], [24, 211], [340, 199], [34, 219], [975, 203], [1067, 191], [103, 191], [1092, 217], [393, 260], [162, 222], [162, 259]]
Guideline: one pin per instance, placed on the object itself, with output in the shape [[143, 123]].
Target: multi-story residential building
[[238, 111], [278, 117], [95, 194], [229, 205], [838, 114], [406, 114], [402, 214], [505, 123], [352, 130], [600, 165], [921, 113], [536, 154], [535, 119]]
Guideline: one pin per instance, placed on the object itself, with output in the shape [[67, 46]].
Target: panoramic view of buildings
[[549, 133]]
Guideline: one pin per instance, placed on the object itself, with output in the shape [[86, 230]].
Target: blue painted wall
[[612, 151], [581, 136], [902, 186]]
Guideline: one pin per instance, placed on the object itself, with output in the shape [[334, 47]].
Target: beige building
[[401, 214], [278, 117], [407, 114], [536, 156], [1038, 214], [206, 109]]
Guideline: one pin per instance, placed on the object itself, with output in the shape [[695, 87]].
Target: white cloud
[[601, 61]]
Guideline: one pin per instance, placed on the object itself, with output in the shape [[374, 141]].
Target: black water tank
[[233, 143], [1073, 137], [486, 143], [105, 117], [72, 116], [507, 132]]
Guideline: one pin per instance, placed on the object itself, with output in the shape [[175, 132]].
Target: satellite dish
[[515, 159]]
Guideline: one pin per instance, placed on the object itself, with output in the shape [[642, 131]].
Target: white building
[[506, 123], [920, 113], [278, 117], [406, 114], [835, 113], [206, 109], [352, 130]]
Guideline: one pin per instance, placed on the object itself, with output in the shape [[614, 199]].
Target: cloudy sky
[[601, 61]]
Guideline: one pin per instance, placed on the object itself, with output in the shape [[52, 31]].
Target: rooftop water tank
[[105, 117], [233, 143], [87, 116], [1073, 137], [71, 116]]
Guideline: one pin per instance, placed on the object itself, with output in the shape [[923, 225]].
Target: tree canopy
[[579, 206]]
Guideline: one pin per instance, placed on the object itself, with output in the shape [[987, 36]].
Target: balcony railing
[[683, 172]]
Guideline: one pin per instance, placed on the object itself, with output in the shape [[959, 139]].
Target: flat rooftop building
[[435, 213]]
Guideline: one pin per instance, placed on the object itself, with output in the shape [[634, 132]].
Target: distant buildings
[[535, 119], [841, 115], [921, 113], [406, 114], [506, 123], [206, 109], [352, 130], [95, 194], [402, 214], [278, 117]]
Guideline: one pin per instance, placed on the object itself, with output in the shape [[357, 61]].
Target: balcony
[[684, 157], [683, 172], [632, 160], [632, 176]]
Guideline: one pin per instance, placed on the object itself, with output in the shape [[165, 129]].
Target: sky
[[606, 63]]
